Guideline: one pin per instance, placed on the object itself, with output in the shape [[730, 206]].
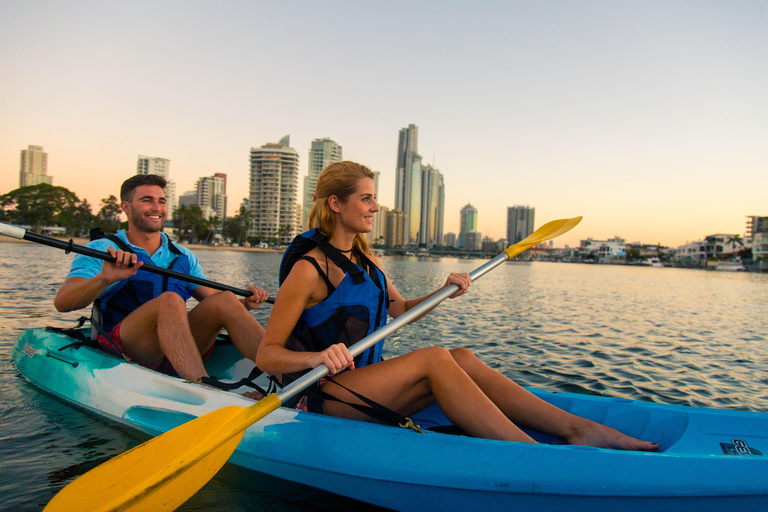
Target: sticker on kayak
[[29, 350], [738, 447]]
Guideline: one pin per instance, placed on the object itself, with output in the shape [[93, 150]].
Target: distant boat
[[730, 266], [652, 262]]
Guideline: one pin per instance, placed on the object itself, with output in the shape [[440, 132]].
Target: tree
[[43, 205], [77, 219], [236, 228], [189, 222], [108, 217]]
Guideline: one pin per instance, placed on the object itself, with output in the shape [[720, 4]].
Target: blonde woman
[[333, 293]]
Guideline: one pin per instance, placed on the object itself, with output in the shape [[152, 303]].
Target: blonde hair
[[339, 179]]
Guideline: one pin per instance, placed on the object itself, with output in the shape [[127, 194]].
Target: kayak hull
[[710, 459]]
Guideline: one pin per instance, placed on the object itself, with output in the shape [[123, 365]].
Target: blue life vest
[[352, 311], [111, 308]]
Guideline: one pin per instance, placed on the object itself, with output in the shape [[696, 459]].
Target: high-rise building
[[396, 225], [519, 223], [322, 153], [34, 167], [153, 165], [273, 191], [468, 223], [449, 239], [408, 182], [161, 167], [211, 196], [432, 207]]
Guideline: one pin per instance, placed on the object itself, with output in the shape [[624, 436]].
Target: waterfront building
[[520, 220], [692, 253], [34, 167], [449, 239], [605, 250], [211, 196], [273, 191], [467, 223], [322, 153], [721, 246], [396, 226], [757, 232], [473, 241], [408, 181], [432, 207], [378, 234], [161, 167], [188, 198]]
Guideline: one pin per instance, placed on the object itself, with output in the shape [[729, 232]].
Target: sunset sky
[[649, 118]]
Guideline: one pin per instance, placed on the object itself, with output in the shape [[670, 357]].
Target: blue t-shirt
[[88, 267]]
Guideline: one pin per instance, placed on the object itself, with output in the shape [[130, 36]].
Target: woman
[[322, 289]]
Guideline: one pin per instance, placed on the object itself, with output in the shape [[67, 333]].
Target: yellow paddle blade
[[166, 471], [546, 232]]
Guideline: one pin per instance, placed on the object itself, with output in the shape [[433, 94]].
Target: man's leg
[[224, 311], [160, 328]]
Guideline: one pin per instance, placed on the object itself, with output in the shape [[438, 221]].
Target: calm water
[[673, 336]]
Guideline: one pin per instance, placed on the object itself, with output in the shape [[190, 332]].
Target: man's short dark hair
[[129, 185]]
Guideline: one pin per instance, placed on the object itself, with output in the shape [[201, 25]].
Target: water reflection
[[674, 336]]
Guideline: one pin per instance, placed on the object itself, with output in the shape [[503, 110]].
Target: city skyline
[[649, 119]]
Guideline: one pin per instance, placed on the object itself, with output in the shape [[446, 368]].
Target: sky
[[649, 118]]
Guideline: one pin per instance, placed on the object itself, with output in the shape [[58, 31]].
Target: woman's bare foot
[[600, 436]]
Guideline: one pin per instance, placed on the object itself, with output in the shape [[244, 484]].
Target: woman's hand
[[462, 280], [336, 357]]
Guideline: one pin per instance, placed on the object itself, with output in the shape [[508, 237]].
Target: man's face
[[147, 209]]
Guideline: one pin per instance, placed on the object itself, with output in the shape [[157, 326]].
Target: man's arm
[[79, 292], [252, 302]]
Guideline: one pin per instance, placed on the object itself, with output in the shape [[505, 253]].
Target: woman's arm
[[398, 305], [302, 287]]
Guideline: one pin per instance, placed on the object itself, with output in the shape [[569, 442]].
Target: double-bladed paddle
[[23, 234], [166, 471]]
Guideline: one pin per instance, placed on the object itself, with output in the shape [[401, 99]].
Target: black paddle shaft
[[93, 253]]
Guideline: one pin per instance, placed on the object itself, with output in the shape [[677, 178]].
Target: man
[[144, 316]]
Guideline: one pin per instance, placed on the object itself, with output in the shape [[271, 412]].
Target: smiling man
[[143, 316]]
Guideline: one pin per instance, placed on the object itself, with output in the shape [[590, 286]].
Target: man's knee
[[170, 303]]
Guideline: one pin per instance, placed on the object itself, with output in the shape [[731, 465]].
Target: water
[[674, 336]]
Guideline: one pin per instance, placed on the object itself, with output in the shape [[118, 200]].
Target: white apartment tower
[[273, 191], [322, 153], [161, 167], [34, 167], [211, 196]]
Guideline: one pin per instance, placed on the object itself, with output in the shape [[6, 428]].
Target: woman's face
[[357, 212]]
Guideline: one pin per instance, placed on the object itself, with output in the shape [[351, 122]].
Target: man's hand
[[257, 299], [125, 266]]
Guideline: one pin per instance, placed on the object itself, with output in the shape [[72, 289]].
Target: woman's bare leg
[[409, 383], [529, 411]]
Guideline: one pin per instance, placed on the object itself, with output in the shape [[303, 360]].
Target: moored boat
[[709, 459]]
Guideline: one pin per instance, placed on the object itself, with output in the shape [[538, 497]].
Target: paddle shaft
[[23, 234]]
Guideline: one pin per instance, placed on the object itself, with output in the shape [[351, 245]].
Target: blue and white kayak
[[709, 460]]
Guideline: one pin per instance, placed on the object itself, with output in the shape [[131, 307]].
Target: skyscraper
[[322, 153], [432, 207], [161, 167], [34, 167], [273, 191], [211, 196], [408, 182], [519, 223], [467, 224]]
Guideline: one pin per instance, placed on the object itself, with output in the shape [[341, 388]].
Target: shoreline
[[191, 247]]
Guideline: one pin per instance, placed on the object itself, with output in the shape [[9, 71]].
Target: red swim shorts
[[114, 345]]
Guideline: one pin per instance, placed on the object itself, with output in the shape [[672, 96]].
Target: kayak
[[709, 460]]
